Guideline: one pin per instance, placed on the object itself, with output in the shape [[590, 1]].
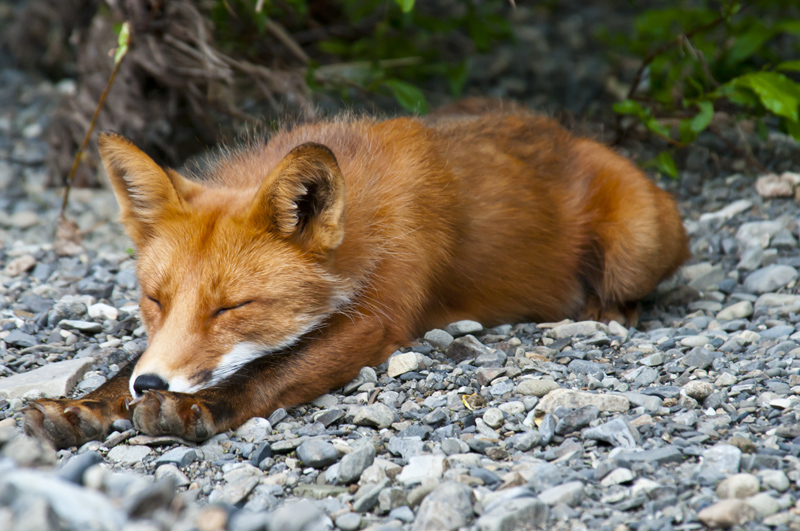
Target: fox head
[[228, 275]]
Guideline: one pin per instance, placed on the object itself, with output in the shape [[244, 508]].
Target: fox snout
[[147, 382]]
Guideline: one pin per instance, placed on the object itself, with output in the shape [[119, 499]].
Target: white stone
[[402, 363], [54, 380], [738, 486], [739, 310], [420, 468], [493, 417], [572, 398], [254, 430], [128, 455], [774, 479], [618, 476], [581, 328], [737, 207], [726, 513], [103, 311]]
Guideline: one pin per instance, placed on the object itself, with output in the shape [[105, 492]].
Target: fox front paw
[[180, 414], [65, 423]]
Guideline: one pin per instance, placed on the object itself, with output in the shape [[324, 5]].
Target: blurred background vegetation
[[201, 71]]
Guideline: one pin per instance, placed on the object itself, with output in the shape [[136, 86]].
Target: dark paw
[[65, 423], [180, 414]]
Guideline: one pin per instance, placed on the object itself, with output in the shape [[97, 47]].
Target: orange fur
[[343, 240]]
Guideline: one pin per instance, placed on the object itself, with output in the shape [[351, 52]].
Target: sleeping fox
[[291, 265]]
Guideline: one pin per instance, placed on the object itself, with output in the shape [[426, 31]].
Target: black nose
[[144, 382]]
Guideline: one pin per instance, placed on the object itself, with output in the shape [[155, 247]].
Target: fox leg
[[72, 422], [299, 374]]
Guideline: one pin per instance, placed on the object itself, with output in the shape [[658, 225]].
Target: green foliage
[[718, 56], [388, 47]]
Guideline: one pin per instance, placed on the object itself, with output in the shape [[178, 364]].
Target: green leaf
[[703, 118], [749, 42], [779, 94], [664, 163], [407, 95], [792, 66], [123, 40], [655, 126], [457, 78], [629, 107], [789, 26], [686, 133], [793, 128], [405, 5]]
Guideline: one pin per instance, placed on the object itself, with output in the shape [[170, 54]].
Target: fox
[[290, 264]]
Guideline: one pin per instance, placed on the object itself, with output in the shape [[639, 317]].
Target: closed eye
[[155, 301], [223, 310]]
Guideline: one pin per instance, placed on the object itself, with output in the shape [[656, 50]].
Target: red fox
[[291, 265]]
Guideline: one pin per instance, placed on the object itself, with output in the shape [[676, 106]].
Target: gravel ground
[[690, 420]]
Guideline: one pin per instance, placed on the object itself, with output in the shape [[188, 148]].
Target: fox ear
[[303, 199], [146, 193]]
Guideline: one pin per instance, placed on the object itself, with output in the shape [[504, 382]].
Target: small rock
[[171, 471], [517, 513], [87, 327], [771, 186], [577, 419], [317, 453], [538, 388], [103, 311], [493, 417], [348, 521], [739, 310], [572, 398], [254, 430], [582, 328], [404, 514], [769, 278], [447, 507], [699, 358], [462, 328], [721, 460], [764, 504], [54, 380], [616, 432], [377, 415], [726, 513], [353, 464], [180, 456], [420, 468], [618, 476], [738, 486], [299, 514], [466, 348], [774, 479], [570, 493], [128, 455], [698, 390], [19, 265], [28, 452], [439, 338], [402, 363], [76, 507]]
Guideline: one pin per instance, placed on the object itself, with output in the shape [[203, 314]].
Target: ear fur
[[304, 199], [146, 193]]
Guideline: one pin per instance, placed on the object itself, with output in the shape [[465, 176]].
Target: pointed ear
[[146, 193], [303, 199]]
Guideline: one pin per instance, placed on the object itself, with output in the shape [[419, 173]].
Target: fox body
[[291, 265]]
